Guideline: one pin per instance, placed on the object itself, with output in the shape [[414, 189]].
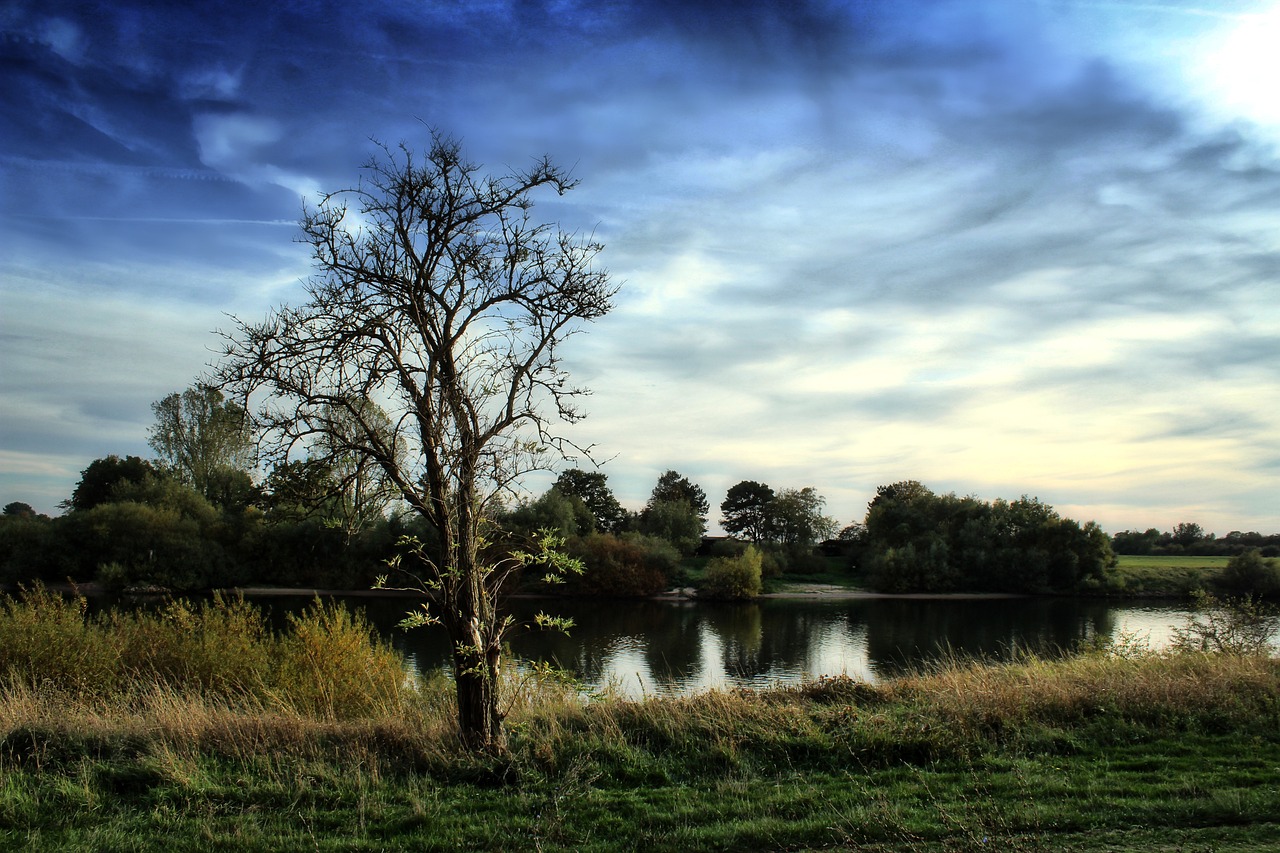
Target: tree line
[[1190, 539], [194, 517]]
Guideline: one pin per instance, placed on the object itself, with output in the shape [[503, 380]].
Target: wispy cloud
[[1001, 248]]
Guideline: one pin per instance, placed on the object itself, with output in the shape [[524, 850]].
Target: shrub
[[614, 566], [329, 664], [1249, 573], [154, 545], [659, 554], [912, 568], [727, 547], [733, 577], [1233, 626], [46, 638], [333, 665], [221, 646]]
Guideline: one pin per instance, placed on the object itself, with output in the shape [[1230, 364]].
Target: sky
[[1002, 247]]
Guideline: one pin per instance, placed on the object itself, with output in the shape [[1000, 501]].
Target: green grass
[[1158, 799], [1117, 750], [1165, 576], [1171, 562]]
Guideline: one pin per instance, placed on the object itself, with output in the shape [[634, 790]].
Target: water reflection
[[663, 647]]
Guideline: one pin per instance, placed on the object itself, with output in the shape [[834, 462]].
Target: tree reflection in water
[[663, 647]]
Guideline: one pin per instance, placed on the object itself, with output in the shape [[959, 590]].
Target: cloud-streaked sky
[[1003, 247]]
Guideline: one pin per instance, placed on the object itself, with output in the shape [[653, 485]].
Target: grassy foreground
[[1116, 750]]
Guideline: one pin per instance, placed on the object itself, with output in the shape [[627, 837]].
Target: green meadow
[[1165, 575]]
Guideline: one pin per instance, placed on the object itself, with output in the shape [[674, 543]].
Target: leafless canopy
[[438, 298]]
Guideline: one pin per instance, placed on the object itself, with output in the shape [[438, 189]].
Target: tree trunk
[[476, 681], [477, 646]]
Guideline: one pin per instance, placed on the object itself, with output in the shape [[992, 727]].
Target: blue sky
[[1001, 247]]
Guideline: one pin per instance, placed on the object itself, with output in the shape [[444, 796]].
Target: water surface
[[675, 647]]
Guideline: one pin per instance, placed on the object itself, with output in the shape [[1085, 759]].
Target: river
[[651, 647]]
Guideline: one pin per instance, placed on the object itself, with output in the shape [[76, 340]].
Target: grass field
[[1134, 561], [1119, 750], [1165, 575], [1162, 576]]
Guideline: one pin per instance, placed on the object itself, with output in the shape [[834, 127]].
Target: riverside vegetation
[[194, 727]]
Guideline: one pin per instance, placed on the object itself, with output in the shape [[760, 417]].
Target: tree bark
[[479, 715]]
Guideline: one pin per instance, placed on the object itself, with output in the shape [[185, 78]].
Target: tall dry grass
[[329, 664], [213, 679], [1145, 688]]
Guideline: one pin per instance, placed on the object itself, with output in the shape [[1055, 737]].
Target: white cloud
[[232, 145]]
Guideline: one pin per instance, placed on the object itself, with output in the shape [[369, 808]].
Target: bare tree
[[437, 297]]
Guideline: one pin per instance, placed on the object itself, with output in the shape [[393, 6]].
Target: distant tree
[[300, 489], [1187, 534], [592, 488], [796, 519], [155, 532], [918, 541], [855, 532], [1133, 542], [364, 491], [99, 481], [32, 546], [673, 486], [746, 510], [567, 515], [205, 440], [18, 509], [437, 295], [676, 521], [676, 511], [900, 512], [141, 544], [853, 544]]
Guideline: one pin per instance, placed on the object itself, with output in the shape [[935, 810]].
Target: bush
[[726, 547], [1249, 573], [912, 569], [333, 665], [660, 555], [222, 646], [153, 545], [733, 577], [1233, 626], [617, 567], [47, 638]]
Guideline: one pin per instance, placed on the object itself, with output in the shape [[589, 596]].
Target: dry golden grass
[[1150, 686]]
